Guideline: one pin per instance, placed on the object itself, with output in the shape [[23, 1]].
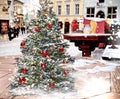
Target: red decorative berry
[[22, 80], [51, 85], [61, 49], [50, 25], [66, 72], [24, 70], [36, 29], [23, 44], [43, 65]]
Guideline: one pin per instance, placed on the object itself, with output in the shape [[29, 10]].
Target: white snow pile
[[81, 62]]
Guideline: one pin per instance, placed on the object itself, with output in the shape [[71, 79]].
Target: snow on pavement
[[8, 48]]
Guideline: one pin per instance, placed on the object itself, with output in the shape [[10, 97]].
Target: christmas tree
[[42, 64]]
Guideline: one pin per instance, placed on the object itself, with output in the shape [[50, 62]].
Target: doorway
[[100, 14], [67, 27]]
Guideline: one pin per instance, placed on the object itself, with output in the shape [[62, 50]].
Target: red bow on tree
[[22, 80], [45, 53]]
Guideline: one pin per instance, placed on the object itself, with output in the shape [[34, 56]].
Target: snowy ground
[[85, 68], [12, 47], [8, 48]]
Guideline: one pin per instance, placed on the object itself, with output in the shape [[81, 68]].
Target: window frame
[[59, 9], [101, 1], [67, 9], [77, 9], [91, 12], [111, 12]]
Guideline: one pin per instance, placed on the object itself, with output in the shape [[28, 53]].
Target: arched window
[[100, 14]]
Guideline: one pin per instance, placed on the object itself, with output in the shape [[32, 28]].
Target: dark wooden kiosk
[[87, 42]]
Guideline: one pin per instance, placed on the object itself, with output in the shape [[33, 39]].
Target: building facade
[[68, 11], [4, 16], [18, 12], [102, 9], [11, 13]]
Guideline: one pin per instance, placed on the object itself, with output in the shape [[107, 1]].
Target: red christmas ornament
[[23, 44], [22, 80], [36, 29], [24, 70], [50, 25], [47, 53], [43, 65], [43, 54], [51, 85], [61, 49], [66, 72]]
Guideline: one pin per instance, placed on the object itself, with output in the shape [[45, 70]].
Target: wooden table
[[87, 42]]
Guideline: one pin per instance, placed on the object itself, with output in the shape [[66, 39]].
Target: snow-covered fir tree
[[42, 65]]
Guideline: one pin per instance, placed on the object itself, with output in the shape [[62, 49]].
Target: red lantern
[[22, 80], [50, 25], [36, 29], [51, 85], [66, 72], [23, 44], [24, 70], [43, 65], [61, 49]]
